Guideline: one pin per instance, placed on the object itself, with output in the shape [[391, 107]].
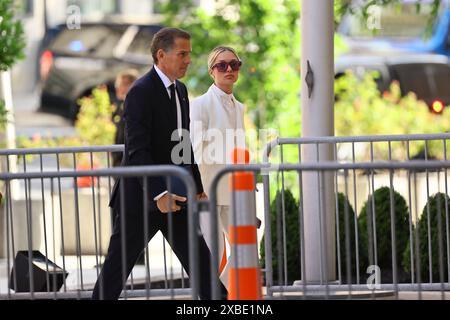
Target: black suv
[[427, 75], [76, 61]]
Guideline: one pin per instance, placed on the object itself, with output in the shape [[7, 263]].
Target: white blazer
[[217, 127]]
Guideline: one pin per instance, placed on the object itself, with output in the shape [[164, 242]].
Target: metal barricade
[[404, 255], [360, 185], [345, 285], [71, 232]]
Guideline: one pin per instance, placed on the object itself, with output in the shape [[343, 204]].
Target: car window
[[441, 79], [139, 49], [93, 41], [142, 42], [428, 81]]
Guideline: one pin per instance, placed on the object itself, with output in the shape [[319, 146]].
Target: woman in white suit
[[217, 127]]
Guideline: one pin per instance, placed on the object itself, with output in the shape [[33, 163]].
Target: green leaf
[[12, 38]]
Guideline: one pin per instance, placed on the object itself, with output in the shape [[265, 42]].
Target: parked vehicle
[[400, 26], [77, 61], [427, 75]]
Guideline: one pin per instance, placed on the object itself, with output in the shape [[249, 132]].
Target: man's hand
[[202, 196], [167, 203]]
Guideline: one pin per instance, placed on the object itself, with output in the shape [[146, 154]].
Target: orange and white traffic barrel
[[244, 281]]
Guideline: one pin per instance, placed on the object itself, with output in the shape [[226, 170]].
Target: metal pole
[[317, 74]]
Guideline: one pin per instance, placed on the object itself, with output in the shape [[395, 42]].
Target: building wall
[[24, 73]]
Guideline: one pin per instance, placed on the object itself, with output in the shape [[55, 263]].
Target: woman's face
[[225, 78]]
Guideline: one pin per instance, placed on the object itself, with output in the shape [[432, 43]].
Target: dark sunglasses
[[223, 66]]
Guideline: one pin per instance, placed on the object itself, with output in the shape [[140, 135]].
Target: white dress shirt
[[216, 128], [167, 83]]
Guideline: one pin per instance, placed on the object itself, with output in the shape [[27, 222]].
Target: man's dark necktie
[[173, 111], [173, 106]]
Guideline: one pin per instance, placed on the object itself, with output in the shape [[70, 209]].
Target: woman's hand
[[202, 196]]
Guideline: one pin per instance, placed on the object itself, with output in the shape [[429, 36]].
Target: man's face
[[122, 87], [174, 63]]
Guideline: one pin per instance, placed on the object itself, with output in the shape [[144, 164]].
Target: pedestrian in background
[[122, 85]]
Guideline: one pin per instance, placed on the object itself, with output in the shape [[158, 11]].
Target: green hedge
[[342, 204], [436, 203], [381, 198], [293, 243], [292, 234]]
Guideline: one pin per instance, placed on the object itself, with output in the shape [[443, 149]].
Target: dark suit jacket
[[117, 118], [149, 124]]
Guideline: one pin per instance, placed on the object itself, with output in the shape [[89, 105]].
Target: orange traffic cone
[[85, 182], [244, 282]]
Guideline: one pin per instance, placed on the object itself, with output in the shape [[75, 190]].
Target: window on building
[[23, 7], [158, 6], [397, 20], [136, 7], [95, 7]]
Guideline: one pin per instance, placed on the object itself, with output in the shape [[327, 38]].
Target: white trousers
[[222, 239]]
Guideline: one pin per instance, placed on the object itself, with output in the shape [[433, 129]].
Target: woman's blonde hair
[[215, 53]]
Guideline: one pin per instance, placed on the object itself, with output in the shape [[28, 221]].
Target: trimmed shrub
[[292, 241], [436, 204], [293, 236], [382, 203], [343, 203]]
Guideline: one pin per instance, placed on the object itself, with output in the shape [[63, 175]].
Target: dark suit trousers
[[110, 280]]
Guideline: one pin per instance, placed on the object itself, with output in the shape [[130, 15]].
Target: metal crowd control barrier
[[403, 245], [365, 148], [423, 236], [92, 156], [347, 288], [52, 234], [58, 159]]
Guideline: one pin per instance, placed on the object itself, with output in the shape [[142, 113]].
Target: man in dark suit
[[156, 110]]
